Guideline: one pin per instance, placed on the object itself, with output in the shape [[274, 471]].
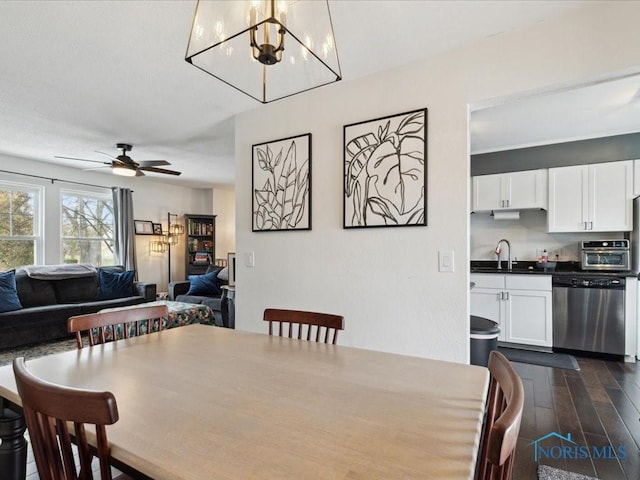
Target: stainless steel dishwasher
[[588, 313]]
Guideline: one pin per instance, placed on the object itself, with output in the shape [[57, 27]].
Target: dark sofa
[[47, 304]]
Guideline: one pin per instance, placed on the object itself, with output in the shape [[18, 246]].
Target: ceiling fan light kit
[[124, 170], [266, 49]]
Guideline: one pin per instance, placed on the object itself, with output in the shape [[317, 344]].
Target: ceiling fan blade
[[94, 168], [160, 170], [82, 160], [153, 163], [105, 154]]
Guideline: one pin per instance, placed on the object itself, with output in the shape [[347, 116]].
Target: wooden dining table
[[201, 402]]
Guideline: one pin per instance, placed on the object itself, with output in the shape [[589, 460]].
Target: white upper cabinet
[[510, 191], [636, 178], [597, 198]]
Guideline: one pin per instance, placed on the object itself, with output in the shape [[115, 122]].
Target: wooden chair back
[[505, 402], [116, 322], [308, 321], [50, 410]]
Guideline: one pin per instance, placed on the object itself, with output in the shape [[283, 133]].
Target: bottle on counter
[[545, 256]]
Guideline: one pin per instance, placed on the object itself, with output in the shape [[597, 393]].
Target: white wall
[[528, 236], [152, 200], [224, 206], [385, 281]]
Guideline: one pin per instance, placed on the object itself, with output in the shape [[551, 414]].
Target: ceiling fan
[[124, 165]]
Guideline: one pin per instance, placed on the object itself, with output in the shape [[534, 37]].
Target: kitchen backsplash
[[528, 237]]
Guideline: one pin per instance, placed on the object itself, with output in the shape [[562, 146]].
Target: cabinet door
[[487, 193], [568, 195], [526, 189], [611, 197], [528, 318], [488, 303]]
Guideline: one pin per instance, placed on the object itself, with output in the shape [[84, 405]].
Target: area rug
[[546, 472], [7, 356], [555, 360]]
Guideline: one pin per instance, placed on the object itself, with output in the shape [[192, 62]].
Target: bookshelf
[[200, 243]]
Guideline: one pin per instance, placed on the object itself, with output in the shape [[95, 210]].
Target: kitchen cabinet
[[636, 178], [521, 304], [597, 198], [510, 191]]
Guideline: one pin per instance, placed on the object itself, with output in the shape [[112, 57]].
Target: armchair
[[204, 289]]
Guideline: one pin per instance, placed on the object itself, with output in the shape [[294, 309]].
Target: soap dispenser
[[545, 256]]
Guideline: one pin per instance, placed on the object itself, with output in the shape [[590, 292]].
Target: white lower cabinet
[[521, 304]]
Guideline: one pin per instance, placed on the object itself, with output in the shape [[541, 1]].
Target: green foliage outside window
[[17, 228]]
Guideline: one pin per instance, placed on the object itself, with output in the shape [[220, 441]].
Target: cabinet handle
[[590, 225], [501, 295], [508, 203], [585, 225], [506, 295]]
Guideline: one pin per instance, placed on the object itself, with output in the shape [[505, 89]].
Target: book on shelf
[[201, 258]]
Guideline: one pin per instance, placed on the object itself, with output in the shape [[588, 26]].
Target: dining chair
[[117, 323], [505, 402], [50, 410], [305, 320]]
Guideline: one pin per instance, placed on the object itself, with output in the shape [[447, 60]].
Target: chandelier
[[267, 49]]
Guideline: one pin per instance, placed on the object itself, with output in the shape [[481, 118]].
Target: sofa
[[207, 290], [47, 299]]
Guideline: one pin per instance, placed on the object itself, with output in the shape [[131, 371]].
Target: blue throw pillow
[[204, 285], [9, 300], [114, 284]]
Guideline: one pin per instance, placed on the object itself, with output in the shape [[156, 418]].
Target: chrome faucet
[[499, 251]]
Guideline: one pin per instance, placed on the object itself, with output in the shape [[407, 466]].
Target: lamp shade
[[267, 49]]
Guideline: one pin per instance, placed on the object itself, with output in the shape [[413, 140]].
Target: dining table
[[202, 402]]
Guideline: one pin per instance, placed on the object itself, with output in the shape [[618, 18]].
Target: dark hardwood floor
[[598, 405]]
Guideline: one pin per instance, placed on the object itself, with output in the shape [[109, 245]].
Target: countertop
[[531, 268]]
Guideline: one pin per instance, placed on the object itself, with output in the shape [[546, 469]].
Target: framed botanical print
[[385, 171], [281, 184]]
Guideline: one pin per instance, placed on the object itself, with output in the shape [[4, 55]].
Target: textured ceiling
[[80, 76]]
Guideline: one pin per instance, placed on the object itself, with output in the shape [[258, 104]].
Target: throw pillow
[[204, 285], [224, 275], [114, 284], [9, 300]]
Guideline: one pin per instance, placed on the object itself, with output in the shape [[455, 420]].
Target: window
[[87, 228], [20, 220]]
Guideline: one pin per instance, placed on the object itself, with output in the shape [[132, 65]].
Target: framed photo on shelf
[[157, 229], [143, 227], [231, 264], [281, 184], [385, 171]]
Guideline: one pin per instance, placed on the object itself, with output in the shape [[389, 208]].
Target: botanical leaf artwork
[[385, 171], [281, 184]]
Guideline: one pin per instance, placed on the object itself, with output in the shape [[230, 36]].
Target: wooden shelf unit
[[200, 243]]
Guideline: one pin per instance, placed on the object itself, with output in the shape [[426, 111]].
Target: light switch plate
[[445, 261], [251, 259]]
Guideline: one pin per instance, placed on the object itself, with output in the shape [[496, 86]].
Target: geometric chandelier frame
[[266, 49]]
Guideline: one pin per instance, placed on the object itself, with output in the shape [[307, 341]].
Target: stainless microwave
[[605, 255]]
